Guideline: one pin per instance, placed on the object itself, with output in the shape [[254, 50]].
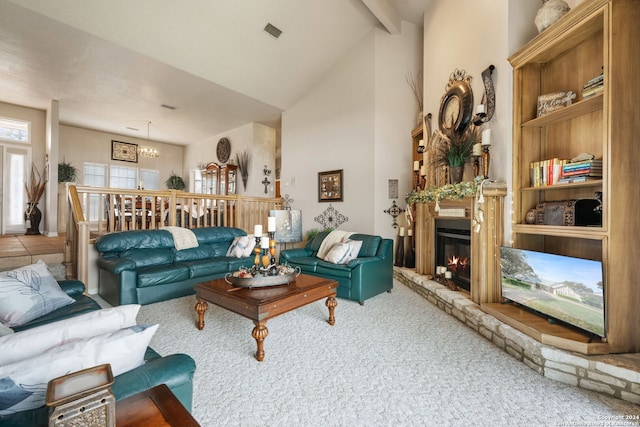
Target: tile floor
[[20, 250]]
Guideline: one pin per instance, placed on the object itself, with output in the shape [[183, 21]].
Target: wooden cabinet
[[228, 175], [596, 36], [210, 179]]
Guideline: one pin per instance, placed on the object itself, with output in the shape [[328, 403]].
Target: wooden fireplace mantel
[[485, 262]]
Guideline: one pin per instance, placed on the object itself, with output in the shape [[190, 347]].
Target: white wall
[[258, 139], [357, 118]]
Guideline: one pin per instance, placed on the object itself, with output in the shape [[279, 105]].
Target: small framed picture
[[124, 151], [330, 186]]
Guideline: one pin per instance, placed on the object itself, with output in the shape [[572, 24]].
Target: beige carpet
[[396, 361]]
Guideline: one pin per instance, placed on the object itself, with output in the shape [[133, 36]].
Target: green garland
[[449, 191]]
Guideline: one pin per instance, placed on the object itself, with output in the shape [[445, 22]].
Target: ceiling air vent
[[168, 107], [274, 31]]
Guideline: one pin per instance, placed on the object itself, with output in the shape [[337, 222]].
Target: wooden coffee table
[[262, 304]]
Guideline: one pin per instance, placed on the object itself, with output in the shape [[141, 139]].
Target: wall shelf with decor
[[596, 37]]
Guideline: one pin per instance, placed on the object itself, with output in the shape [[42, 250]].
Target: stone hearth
[[614, 374]]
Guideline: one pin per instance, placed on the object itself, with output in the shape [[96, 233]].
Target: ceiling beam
[[386, 14]]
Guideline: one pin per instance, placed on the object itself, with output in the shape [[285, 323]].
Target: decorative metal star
[[394, 211], [330, 218]]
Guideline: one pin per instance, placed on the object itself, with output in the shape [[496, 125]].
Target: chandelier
[[146, 150]]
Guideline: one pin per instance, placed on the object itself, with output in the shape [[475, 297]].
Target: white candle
[[257, 230], [423, 170], [264, 242], [271, 224], [409, 232], [440, 269], [486, 137], [447, 275], [480, 109], [421, 143], [401, 231], [477, 149], [416, 165]]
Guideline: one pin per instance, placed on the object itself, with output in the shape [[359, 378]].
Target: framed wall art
[[330, 186], [124, 151]]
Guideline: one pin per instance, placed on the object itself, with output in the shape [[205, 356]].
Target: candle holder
[[416, 180], [486, 157], [256, 251], [476, 165], [272, 246]]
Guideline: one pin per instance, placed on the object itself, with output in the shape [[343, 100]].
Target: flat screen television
[[564, 288]]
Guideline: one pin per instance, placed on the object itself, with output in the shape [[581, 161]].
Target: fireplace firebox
[[453, 249]]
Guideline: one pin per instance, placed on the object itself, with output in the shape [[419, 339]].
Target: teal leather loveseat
[[143, 267], [175, 370], [370, 274]]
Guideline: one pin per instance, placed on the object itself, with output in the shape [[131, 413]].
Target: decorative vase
[[549, 13], [455, 174], [34, 215], [410, 255], [399, 252]]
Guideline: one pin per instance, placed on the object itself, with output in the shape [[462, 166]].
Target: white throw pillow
[[5, 330], [32, 342], [342, 253], [241, 247], [29, 292], [23, 385]]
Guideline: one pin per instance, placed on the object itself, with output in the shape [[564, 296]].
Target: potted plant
[[456, 152], [175, 182], [67, 172], [35, 189]]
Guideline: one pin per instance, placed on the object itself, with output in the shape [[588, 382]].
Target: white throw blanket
[[336, 236], [183, 238]]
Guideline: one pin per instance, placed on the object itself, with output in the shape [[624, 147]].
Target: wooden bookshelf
[[597, 36]]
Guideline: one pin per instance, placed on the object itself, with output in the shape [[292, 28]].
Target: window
[[15, 130], [123, 177], [150, 179], [95, 175]]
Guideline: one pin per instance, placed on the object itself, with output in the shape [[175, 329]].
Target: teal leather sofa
[[143, 267], [370, 274], [175, 370]]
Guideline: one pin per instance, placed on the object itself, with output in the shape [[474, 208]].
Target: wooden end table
[[155, 407], [262, 304]]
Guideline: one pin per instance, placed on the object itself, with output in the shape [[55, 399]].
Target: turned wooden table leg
[[331, 304], [201, 307], [260, 332]]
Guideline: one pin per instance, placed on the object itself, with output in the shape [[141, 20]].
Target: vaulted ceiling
[[113, 64]]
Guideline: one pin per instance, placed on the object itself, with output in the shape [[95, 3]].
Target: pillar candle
[[447, 275], [480, 109], [264, 242], [257, 230], [271, 224], [477, 150], [416, 165], [423, 170], [486, 137], [401, 231], [409, 232]]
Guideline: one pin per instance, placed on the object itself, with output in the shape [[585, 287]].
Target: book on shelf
[[575, 179], [593, 86], [545, 172], [587, 168]]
